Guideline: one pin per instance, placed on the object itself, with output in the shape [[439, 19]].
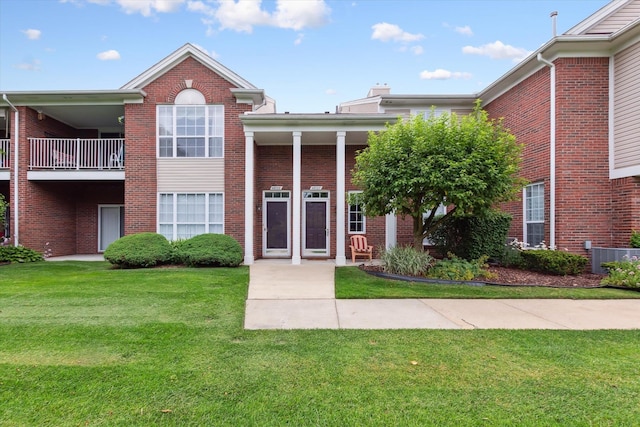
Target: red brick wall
[[625, 210], [525, 109], [89, 197], [140, 133], [582, 185], [583, 190]]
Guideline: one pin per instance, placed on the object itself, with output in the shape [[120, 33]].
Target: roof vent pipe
[[553, 16]]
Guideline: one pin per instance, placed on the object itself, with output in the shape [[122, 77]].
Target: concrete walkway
[[285, 296]]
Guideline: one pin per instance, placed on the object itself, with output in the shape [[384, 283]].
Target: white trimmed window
[[357, 220], [190, 130], [534, 214], [184, 215]]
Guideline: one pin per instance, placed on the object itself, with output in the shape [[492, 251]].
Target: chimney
[[553, 16]]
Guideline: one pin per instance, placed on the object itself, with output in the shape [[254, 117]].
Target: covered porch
[[297, 180]]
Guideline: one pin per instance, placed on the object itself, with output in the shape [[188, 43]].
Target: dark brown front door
[[277, 221], [316, 225]]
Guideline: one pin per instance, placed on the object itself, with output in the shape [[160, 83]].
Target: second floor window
[[190, 130]]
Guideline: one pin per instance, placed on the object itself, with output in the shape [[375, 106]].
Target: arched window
[[190, 128]]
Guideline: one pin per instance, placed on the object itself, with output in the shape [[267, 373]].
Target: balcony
[[76, 159]]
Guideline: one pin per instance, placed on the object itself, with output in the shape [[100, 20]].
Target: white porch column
[[248, 198], [391, 230], [297, 195], [340, 198]]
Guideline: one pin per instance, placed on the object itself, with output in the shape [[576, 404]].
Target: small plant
[[19, 254], [625, 273], [405, 260], [511, 257], [635, 239], [209, 250], [48, 252], [139, 250], [454, 268]]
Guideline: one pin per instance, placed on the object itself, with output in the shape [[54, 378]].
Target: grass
[[353, 283], [81, 344]]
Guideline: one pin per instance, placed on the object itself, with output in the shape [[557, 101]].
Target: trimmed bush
[[635, 239], [209, 250], [472, 237], [405, 260], [554, 262], [139, 251], [19, 254]]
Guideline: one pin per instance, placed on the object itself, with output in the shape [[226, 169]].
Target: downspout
[[16, 123], [15, 169], [552, 154]]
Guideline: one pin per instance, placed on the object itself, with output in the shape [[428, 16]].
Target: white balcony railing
[[5, 153], [80, 154]]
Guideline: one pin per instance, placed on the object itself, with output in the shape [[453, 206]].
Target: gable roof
[[609, 19], [188, 50]]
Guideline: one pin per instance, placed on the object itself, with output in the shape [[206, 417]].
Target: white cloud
[[243, 15], [441, 74], [498, 50], [212, 54], [148, 7], [34, 65], [298, 39], [330, 92], [32, 34], [417, 50], [301, 14], [466, 30], [390, 32], [109, 55]]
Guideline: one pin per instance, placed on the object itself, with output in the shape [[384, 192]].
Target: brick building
[[189, 147]]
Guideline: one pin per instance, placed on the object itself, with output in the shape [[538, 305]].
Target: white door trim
[[274, 253], [100, 207], [316, 196]]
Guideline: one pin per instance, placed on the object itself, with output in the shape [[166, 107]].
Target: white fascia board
[[598, 16], [178, 56], [74, 175]]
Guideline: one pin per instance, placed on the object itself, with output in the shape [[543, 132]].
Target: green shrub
[[212, 250], [554, 262], [455, 268], [139, 250], [405, 260], [625, 273], [471, 237], [635, 239], [19, 254], [511, 257]]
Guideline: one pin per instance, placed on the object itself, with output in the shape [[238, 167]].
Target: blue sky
[[309, 55]]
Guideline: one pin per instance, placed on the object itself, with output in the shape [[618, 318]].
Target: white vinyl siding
[[534, 214], [627, 108], [184, 215], [190, 130], [198, 175], [617, 20]]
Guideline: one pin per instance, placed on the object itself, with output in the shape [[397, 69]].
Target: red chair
[[360, 247]]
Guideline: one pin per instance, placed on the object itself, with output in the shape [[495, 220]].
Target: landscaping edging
[[461, 282]]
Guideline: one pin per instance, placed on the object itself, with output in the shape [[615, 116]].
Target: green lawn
[[84, 345], [353, 283]]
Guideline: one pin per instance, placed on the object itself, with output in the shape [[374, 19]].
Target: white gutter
[[15, 170], [552, 154]]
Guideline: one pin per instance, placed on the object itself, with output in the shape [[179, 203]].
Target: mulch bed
[[515, 277]]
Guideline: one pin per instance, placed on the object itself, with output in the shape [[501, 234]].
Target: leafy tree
[[3, 211], [411, 167]]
